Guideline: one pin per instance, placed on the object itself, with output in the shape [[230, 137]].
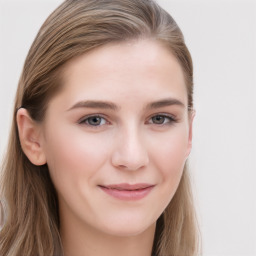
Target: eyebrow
[[95, 104], [165, 103], [111, 106]]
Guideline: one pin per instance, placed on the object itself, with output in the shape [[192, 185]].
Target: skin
[[134, 141]]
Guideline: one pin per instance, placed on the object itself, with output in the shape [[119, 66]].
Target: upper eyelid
[[92, 115], [174, 117]]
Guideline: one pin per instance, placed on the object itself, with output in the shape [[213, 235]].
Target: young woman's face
[[117, 136]]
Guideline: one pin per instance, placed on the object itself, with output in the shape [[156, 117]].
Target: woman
[[102, 129]]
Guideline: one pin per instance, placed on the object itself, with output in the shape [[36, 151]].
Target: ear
[[190, 132], [30, 137]]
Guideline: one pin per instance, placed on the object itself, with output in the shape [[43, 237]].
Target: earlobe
[[30, 137], [190, 135]]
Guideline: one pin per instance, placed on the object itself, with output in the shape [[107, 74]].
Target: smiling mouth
[[126, 191]]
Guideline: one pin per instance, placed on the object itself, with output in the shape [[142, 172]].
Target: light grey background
[[221, 36]]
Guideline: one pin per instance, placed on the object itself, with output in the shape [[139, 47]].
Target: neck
[[86, 241]]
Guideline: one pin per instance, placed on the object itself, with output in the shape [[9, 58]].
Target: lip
[[125, 191]]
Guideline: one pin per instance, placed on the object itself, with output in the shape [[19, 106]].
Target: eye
[[162, 119], [93, 121]]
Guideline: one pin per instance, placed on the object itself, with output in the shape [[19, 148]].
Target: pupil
[[94, 120], [158, 119]]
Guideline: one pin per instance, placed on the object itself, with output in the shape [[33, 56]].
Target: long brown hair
[[28, 197]]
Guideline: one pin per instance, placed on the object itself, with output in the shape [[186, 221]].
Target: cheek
[[171, 149], [73, 155], [169, 157]]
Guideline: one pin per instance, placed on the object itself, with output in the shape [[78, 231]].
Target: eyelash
[[86, 119], [168, 120]]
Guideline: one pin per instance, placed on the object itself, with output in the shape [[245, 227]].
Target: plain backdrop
[[221, 36]]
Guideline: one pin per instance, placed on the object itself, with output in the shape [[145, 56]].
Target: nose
[[130, 151]]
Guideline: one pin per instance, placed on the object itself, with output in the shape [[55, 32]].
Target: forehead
[[148, 54], [136, 68]]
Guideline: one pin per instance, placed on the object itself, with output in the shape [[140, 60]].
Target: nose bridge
[[130, 151]]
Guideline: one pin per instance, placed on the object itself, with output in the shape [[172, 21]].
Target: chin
[[128, 229]]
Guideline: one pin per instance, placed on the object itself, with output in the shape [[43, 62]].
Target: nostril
[[122, 166], [130, 165]]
